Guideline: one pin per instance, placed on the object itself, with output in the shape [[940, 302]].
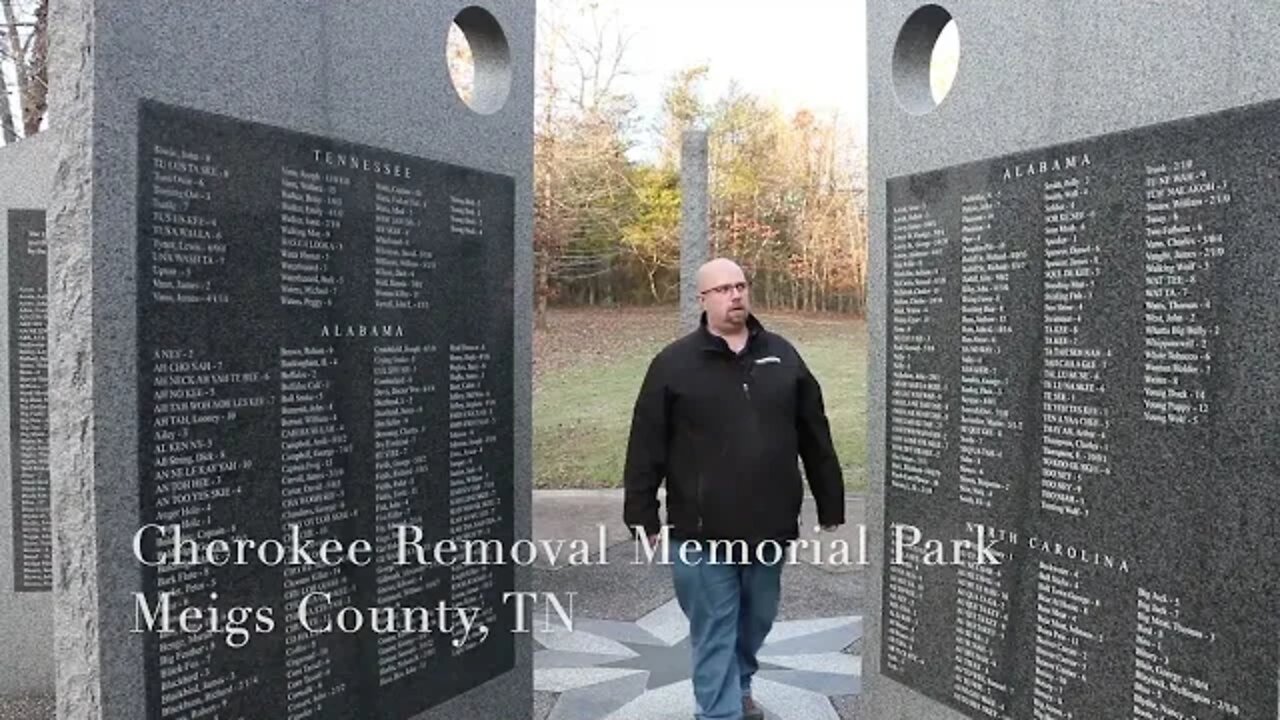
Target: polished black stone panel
[[29, 402], [325, 342], [1082, 351]]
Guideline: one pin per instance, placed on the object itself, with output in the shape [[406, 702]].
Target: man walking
[[721, 417]]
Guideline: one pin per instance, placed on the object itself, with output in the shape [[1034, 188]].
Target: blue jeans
[[731, 608]]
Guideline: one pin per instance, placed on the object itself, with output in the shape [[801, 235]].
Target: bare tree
[[580, 166], [24, 55], [787, 197]]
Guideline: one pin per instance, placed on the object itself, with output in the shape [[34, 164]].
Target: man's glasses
[[741, 286]]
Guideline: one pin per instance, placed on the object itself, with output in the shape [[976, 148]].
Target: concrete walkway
[[627, 657]]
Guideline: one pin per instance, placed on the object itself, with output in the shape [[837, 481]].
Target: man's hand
[[828, 528], [653, 539]]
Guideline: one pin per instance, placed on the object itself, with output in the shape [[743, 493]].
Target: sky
[[799, 53]]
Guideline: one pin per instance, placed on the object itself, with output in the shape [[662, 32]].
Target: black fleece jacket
[[724, 431]]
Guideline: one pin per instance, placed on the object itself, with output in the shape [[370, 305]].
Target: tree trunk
[[6, 115], [17, 57], [35, 96], [541, 290]]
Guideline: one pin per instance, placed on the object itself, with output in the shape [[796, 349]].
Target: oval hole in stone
[[926, 59], [479, 60]]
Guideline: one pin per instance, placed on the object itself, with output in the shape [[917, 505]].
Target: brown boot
[[750, 710]]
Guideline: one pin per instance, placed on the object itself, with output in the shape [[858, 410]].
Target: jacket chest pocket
[[771, 389]]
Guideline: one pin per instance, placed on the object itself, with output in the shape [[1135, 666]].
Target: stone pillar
[[951, 643], [265, 216], [26, 562], [694, 232]]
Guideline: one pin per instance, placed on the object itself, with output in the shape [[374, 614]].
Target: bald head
[[717, 272], [722, 291]]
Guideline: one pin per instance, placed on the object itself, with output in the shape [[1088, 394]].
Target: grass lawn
[[589, 363]]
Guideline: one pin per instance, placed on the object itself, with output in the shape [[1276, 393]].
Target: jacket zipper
[[746, 392], [699, 505]]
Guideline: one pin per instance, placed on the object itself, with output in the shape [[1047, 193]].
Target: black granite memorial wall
[[325, 339], [1082, 346], [29, 403]]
